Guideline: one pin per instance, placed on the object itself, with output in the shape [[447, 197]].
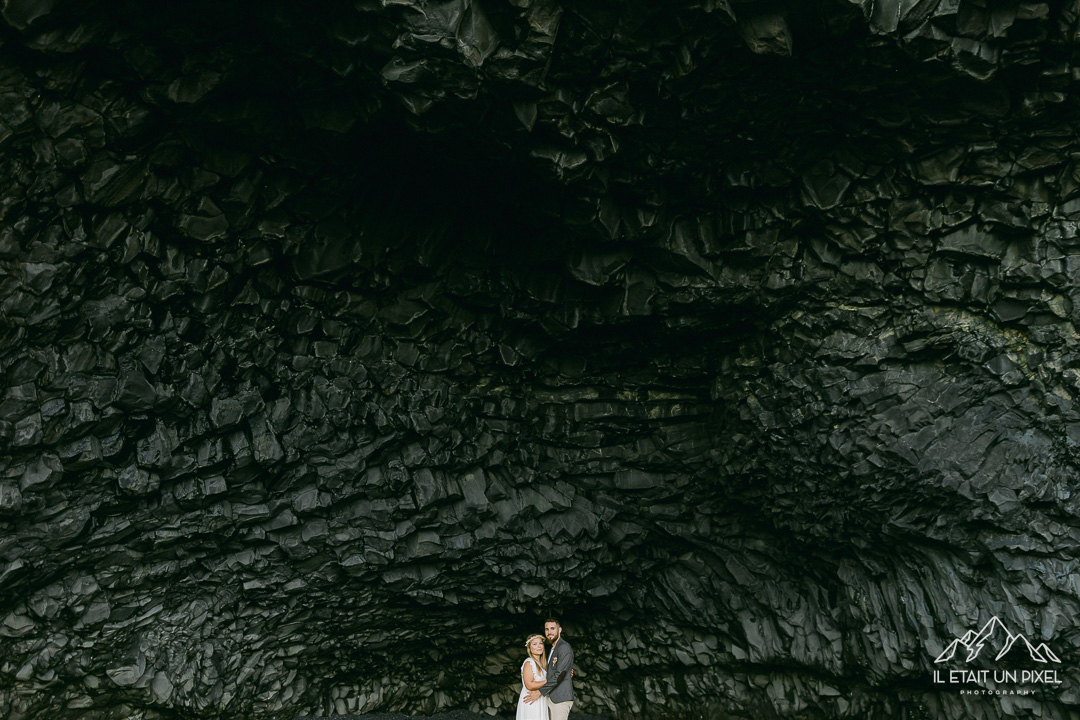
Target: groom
[[559, 688]]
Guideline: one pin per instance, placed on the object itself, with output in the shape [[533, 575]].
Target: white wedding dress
[[539, 709]]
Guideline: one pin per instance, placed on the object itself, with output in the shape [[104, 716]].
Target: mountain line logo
[[995, 639], [994, 634]]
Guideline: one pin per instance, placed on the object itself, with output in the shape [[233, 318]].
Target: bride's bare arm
[[528, 677]]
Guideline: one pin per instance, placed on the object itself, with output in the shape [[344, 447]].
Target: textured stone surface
[[342, 343]]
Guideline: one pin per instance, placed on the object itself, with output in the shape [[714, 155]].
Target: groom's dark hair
[[554, 621]]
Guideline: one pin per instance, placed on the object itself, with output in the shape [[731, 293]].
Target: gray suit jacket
[[560, 686]]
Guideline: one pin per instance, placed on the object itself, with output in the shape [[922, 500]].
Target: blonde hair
[[541, 666]]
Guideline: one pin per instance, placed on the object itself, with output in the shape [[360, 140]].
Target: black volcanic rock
[[340, 345]]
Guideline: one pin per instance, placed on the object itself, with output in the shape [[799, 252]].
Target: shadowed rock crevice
[[342, 345]]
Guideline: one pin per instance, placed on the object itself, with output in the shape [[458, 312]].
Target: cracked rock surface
[[340, 344]]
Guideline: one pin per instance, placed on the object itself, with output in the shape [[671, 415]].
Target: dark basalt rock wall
[[342, 342]]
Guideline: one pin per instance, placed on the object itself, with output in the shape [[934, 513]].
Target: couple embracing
[[547, 691]]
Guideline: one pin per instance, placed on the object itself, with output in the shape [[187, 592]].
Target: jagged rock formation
[[343, 342]]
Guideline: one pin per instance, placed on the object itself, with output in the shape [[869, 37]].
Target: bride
[[533, 678]]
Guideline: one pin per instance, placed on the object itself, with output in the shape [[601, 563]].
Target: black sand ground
[[451, 715]]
